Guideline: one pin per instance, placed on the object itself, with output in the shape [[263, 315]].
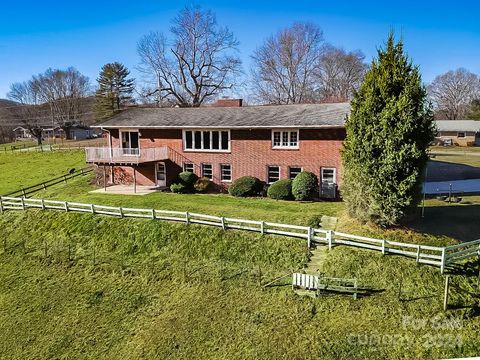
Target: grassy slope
[[169, 290], [24, 169]]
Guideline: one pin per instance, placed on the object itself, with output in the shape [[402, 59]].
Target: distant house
[[82, 133], [151, 146], [21, 133], [459, 132]]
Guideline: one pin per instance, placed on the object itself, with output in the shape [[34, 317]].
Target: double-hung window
[[273, 174], [285, 139], [226, 172], [188, 167], [207, 171], [206, 140], [293, 171]]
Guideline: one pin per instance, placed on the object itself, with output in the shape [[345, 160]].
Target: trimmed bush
[[245, 186], [184, 183], [202, 184], [305, 186], [178, 188], [280, 190]]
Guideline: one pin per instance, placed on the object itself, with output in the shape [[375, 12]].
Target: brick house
[[151, 146], [459, 132]]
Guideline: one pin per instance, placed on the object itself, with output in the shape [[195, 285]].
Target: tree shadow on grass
[[461, 222], [449, 171]]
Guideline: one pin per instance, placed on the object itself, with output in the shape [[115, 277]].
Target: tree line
[[198, 61]]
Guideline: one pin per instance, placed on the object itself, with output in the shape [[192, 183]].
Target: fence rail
[[25, 191], [423, 254]]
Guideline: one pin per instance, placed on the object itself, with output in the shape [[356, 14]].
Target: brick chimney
[[228, 103]]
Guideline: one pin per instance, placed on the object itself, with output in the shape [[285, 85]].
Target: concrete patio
[[126, 190]]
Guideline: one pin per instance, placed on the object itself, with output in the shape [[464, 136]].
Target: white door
[[328, 186], [161, 174]]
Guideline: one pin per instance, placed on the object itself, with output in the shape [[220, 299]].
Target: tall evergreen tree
[[388, 134], [114, 89]]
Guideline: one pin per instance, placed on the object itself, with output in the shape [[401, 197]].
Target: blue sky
[[35, 35]]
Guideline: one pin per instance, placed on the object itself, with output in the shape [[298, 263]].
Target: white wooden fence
[[423, 254]]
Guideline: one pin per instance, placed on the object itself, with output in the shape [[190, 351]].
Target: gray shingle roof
[[458, 125], [302, 115]]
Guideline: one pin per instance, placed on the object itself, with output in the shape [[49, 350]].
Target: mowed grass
[[83, 286], [20, 169]]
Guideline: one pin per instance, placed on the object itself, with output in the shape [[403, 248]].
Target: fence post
[[66, 206], [43, 204], [187, 217], [121, 212], [92, 208], [310, 236], [329, 239], [65, 178], [442, 266], [418, 254], [222, 219], [23, 203], [1, 205], [383, 246], [262, 227], [153, 214]]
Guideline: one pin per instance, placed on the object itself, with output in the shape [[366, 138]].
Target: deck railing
[[125, 155]]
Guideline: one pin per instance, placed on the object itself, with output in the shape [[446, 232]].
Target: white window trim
[[120, 139], [328, 168], [279, 173], [184, 142], [188, 163], [300, 167], [231, 173], [201, 170], [283, 146]]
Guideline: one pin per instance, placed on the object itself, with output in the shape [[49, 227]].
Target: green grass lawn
[[23, 169], [84, 286]]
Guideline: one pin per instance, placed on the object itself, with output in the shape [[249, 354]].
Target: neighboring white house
[[21, 133], [459, 132]]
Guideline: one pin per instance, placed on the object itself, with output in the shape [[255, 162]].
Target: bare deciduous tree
[[339, 73], [29, 112], [452, 93], [198, 64], [64, 92], [284, 65]]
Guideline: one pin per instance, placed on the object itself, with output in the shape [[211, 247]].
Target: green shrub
[[202, 184], [305, 186], [245, 186], [184, 183], [187, 178], [178, 188], [280, 190]]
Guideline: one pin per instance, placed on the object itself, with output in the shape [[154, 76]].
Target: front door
[[328, 186], [161, 174]]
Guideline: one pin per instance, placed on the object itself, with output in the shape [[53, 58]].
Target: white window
[[206, 140], [226, 172], [293, 171], [207, 171], [328, 175], [285, 139], [461, 135], [273, 174], [188, 167]]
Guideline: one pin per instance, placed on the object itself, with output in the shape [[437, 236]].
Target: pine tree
[[388, 134], [114, 89]]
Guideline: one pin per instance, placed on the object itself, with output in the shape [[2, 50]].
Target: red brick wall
[[251, 153]]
